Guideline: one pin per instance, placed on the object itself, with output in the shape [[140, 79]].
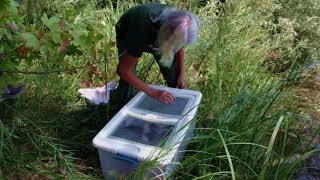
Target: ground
[[308, 91]]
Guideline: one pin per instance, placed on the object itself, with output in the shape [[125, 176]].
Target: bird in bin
[[161, 30]]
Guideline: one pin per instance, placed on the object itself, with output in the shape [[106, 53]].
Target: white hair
[[172, 20]]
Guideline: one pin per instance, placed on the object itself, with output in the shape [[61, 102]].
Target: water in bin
[[176, 108], [141, 131]]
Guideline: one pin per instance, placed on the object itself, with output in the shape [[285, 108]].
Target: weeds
[[244, 120]]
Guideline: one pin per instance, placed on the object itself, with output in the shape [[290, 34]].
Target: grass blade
[[228, 155], [269, 150]]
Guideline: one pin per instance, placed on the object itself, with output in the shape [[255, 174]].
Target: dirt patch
[[308, 92]]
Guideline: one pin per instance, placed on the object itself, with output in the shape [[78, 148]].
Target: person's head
[[178, 29]]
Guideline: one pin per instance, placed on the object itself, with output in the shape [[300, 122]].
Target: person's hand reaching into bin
[[163, 96]]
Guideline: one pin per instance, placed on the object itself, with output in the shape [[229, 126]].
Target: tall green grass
[[243, 121], [242, 99]]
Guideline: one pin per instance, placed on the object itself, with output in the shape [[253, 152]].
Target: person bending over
[[158, 29]]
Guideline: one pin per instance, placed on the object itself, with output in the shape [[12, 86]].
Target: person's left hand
[[180, 82]]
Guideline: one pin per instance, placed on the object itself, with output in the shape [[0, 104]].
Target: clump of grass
[[243, 121], [241, 99]]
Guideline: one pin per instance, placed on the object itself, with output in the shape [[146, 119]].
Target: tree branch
[[10, 28], [56, 71]]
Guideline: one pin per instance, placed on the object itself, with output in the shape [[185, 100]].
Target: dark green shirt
[[137, 29]]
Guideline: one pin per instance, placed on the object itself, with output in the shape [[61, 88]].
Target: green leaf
[[44, 18], [51, 23], [56, 37], [83, 41], [31, 40], [13, 8], [8, 6]]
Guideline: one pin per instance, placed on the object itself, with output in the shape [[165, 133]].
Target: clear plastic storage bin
[[146, 129]]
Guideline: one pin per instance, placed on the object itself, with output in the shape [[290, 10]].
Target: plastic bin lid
[[138, 129], [177, 108], [141, 131]]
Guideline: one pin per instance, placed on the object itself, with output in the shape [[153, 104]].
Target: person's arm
[[125, 71], [179, 57]]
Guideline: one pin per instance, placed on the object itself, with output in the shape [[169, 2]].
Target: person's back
[[137, 29]]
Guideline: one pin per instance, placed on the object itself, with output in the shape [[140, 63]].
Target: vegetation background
[[249, 56]]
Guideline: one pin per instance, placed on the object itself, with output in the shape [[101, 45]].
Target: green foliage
[[239, 132], [296, 24], [31, 41], [50, 40]]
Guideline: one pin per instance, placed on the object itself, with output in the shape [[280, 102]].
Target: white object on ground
[[99, 95]]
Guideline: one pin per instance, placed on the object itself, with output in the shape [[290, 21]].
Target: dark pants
[[125, 91]]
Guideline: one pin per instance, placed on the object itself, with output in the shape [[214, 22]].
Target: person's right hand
[[162, 96]]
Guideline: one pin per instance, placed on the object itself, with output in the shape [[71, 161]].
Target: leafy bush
[[245, 118]]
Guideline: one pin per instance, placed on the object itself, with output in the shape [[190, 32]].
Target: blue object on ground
[[11, 92]]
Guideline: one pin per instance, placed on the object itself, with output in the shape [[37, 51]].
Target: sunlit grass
[[243, 120]]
